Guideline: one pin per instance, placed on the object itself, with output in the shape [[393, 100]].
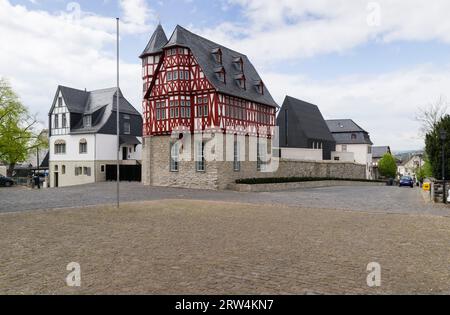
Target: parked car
[[6, 181], [406, 181]]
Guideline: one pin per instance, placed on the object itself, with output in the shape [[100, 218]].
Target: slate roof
[[344, 129], [98, 103], [203, 51], [156, 42], [309, 120], [379, 152]]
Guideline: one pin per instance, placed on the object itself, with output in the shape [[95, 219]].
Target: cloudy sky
[[376, 62]]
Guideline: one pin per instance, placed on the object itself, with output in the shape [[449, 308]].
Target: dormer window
[[217, 53], [260, 87], [240, 80], [87, 121], [220, 72], [239, 64]]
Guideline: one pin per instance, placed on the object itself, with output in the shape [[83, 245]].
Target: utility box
[[426, 186]]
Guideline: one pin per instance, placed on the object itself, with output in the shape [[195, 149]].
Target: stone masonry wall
[[219, 175]]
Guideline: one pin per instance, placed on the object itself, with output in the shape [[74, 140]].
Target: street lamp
[[443, 138]]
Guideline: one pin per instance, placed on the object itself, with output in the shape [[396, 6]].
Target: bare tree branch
[[431, 114]]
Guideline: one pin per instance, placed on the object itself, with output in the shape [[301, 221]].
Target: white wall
[[73, 148], [106, 149], [361, 155], [302, 154], [343, 156], [2, 170]]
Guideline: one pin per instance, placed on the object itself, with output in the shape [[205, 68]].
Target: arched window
[[60, 147], [83, 146]]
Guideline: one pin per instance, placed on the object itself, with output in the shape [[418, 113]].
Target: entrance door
[[125, 153], [56, 180]]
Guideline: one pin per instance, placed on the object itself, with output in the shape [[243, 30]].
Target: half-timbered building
[[196, 92]]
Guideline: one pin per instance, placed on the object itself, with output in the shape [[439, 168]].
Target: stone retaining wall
[[299, 185], [220, 175]]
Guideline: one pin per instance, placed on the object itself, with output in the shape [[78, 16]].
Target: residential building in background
[[377, 154], [353, 143], [192, 86], [303, 132], [83, 142], [409, 166]]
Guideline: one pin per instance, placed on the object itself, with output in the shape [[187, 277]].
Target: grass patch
[[280, 180]]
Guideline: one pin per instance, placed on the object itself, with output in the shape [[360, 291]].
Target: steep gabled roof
[[343, 125], [156, 42], [346, 131], [308, 118], [379, 152], [99, 103], [203, 51], [75, 99]]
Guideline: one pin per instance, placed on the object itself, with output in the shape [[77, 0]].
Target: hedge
[[280, 180]]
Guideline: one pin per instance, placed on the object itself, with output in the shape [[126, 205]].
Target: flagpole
[[118, 119]]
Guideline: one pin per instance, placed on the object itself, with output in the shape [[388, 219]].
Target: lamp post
[[443, 139]]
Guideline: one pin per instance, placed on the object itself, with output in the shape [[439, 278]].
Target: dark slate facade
[[301, 125]]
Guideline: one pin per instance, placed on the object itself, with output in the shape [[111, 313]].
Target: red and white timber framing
[[186, 100]]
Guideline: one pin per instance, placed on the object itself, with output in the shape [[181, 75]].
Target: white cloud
[[41, 50], [384, 104], [291, 29]]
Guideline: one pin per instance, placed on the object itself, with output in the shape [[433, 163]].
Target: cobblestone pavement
[[363, 198], [193, 247]]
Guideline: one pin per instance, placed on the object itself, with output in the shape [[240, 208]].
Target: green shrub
[[280, 180]]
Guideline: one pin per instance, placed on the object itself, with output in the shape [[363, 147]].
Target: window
[[237, 160], [369, 150], [60, 102], [64, 121], [63, 169], [337, 158], [354, 136], [344, 148], [60, 147], [56, 168], [186, 75], [87, 171], [56, 121], [174, 157], [126, 116], [87, 121], [102, 168], [169, 76], [175, 75], [127, 127], [174, 51], [78, 171], [200, 157], [83, 146], [221, 76], [181, 75]]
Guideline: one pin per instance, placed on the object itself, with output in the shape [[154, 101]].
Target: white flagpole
[[118, 120]]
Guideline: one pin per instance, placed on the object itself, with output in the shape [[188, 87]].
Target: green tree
[[434, 147], [425, 171], [17, 129], [388, 166]]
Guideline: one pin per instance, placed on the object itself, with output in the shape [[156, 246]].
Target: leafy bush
[[388, 166], [280, 180]]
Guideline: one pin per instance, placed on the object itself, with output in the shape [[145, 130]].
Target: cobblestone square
[[211, 247]]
